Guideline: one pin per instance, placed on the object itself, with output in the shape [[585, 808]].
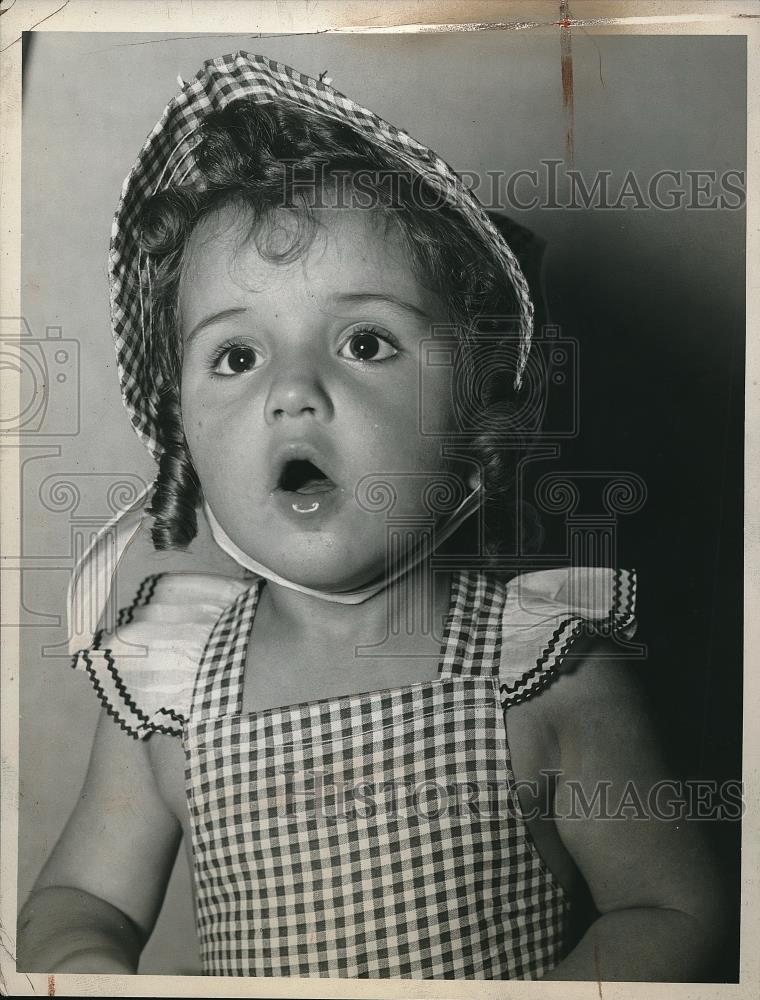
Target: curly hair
[[266, 158]]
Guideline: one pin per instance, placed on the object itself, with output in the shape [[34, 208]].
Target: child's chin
[[331, 561], [329, 578]]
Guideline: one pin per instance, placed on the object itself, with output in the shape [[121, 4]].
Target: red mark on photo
[[566, 69]]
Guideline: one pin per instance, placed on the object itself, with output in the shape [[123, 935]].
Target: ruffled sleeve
[[545, 611], [144, 671]]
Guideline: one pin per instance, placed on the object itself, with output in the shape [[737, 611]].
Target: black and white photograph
[[376, 438]]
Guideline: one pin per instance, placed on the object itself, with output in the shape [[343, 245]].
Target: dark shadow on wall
[[662, 358], [660, 352]]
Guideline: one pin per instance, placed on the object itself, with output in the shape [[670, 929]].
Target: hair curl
[[269, 157]]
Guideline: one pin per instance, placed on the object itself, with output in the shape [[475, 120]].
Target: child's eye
[[235, 359], [369, 345]]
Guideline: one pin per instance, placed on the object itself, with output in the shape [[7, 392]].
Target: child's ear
[[467, 473]]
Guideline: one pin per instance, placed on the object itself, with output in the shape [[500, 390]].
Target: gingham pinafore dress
[[374, 835], [294, 878]]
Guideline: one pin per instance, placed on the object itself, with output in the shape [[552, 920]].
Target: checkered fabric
[[369, 835], [339, 837], [167, 159]]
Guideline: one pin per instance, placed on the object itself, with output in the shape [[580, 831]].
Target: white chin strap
[[91, 581], [465, 509]]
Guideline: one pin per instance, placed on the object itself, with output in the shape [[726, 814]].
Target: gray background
[[655, 299]]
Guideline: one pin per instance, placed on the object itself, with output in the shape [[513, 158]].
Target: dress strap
[[472, 646], [219, 684]]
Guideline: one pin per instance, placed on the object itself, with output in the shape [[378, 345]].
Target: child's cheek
[[435, 401], [195, 424], [194, 427]]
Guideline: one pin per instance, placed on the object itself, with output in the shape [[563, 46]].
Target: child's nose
[[297, 393]]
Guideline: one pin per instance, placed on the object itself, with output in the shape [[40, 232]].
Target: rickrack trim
[[135, 722], [547, 667], [535, 680]]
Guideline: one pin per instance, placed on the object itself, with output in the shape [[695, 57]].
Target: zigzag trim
[[146, 726], [538, 678], [131, 704], [624, 617], [143, 597], [542, 660], [83, 655], [121, 687], [617, 588], [543, 672], [175, 716]]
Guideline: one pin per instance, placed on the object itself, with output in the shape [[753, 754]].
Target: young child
[[283, 264]]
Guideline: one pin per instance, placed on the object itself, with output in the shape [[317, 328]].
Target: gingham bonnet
[[167, 160]]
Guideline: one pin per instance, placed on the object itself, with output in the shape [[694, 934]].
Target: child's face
[[313, 360]]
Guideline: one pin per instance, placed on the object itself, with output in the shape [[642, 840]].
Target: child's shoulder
[[154, 617], [144, 667], [546, 618]]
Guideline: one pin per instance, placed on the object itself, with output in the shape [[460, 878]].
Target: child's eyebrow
[[362, 297], [207, 320], [344, 297]]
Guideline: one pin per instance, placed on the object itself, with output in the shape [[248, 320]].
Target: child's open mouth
[[303, 491], [305, 478]]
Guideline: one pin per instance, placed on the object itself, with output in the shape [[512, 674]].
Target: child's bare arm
[[653, 880], [97, 898]]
